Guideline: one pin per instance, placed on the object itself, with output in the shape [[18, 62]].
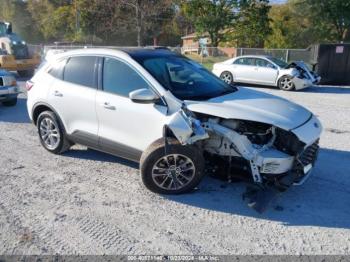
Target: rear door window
[[81, 70], [245, 61]]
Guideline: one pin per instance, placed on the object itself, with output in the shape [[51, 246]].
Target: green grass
[[208, 61]]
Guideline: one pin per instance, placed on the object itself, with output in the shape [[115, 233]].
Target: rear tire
[[180, 171], [286, 84], [11, 102], [51, 133], [26, 73], [227, 77]]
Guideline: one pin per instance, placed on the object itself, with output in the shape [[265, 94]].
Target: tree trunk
[[138, 22], [214, 43], [155, 41]]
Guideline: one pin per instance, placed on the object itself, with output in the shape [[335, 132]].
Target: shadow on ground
[[15, 114], [327, 89], [312, 89], [90, 154], [323, 200]]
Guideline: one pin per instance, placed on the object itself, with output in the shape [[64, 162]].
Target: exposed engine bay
[[269, 159], [305, 76]]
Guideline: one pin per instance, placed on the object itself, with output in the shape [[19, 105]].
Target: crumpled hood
[[300, 64], [248, 104]]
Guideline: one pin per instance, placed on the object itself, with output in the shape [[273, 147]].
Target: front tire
[[227, 77], [51, 133], [178, 171], [11, 102], [286, 84]]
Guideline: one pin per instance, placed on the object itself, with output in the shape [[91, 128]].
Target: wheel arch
[[40, 107], [229, 70], [280, 77]]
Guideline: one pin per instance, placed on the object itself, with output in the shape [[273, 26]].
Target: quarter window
[[57, 69], [80, 70], [121, 79]]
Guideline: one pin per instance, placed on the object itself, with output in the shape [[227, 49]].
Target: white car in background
[[266, 70]]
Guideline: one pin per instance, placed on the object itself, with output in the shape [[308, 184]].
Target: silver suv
[[173, 116]]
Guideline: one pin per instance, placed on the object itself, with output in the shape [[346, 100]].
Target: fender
[[36, 105]]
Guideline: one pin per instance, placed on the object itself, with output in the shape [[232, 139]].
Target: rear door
[[243, 69], [73, 97]]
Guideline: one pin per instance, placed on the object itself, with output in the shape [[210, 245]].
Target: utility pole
[[77, 19]]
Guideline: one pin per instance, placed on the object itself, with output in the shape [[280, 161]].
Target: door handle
[[58, 94], [108, 106]]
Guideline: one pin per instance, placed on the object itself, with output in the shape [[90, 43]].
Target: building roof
[[193, 35]]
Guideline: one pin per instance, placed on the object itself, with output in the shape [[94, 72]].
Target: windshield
[[185, 79], [278, 62]]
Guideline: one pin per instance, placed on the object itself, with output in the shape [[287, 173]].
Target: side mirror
[[143, 96]]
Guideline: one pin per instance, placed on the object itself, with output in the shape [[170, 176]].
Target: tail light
[[29, 85]]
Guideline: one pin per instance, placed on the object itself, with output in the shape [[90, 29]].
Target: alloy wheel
[[286, 83], [227, 78], [49, 133], [173, 172]]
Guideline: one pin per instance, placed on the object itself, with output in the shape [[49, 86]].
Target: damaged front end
[[268, 158], [305, 77]]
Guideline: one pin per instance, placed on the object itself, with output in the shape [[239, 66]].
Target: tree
[[149, 16], [118, 20], [51, 20], [252, 24], [291, 28], [332, 16], [212, 17], [15, 11]]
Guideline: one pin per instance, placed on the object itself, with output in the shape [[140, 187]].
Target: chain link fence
[[210, 55], [287, 55], [206, 56]]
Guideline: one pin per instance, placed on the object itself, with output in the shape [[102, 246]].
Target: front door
[[126, 128], [265, 72]]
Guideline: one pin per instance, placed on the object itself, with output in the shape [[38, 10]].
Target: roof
[[254, 56], [148, 52], [131, 52]]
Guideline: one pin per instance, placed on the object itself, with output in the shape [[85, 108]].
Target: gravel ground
[[86, 202]]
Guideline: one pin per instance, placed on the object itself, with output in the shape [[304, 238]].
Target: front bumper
[[8, 92], [301, 181], [301, 83], [305, 163]]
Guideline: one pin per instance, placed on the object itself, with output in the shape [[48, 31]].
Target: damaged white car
[[174, 117], [266, 70]]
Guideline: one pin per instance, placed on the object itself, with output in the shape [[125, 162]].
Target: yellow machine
[[14, 53]]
